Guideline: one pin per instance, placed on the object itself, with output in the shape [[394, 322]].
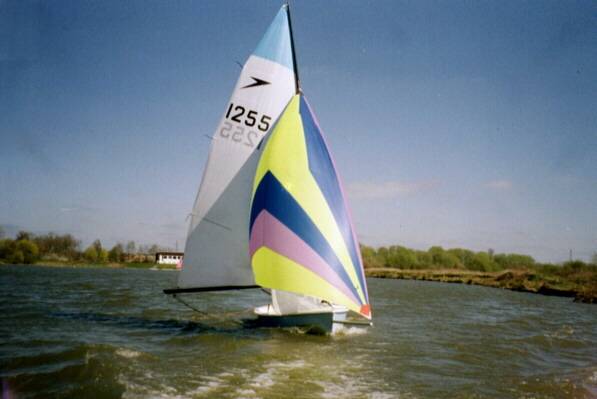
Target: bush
[[444, 259], [102, 256], [5, 248], [370, 258], [116, 254], [29, 250], [464, 256], [18, 251], [514, 261], [16, 257], [401, 257], [90, 254], [482, 262], [55, 246]]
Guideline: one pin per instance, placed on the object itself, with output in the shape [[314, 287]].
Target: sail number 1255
[[239, 114]]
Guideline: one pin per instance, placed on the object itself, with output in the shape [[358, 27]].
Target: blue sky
[[469, 124]]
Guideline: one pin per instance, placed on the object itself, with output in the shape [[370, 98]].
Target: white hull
[[339, 323]]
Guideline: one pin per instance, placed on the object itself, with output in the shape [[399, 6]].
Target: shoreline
[[514, 280], [108, 265], [511, 279]]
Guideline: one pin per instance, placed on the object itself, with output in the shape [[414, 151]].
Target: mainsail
[[301, 236], [216, 251]]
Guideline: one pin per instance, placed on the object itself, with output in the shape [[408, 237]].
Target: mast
[[294, 64]]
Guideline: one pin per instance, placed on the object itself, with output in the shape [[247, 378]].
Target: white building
[[168, 258]]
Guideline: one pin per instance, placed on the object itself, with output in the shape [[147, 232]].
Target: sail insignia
[[256, 82]]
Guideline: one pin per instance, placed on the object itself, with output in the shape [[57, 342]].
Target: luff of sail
[[301, 236], [216, 251]]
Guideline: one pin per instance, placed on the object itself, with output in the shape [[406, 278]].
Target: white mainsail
[[216, 251]]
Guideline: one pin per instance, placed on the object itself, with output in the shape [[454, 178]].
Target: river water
[[108, 333]]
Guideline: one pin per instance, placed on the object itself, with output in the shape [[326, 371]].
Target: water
[[106, 333]]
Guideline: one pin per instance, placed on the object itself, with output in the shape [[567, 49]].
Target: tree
[[130, 247], [401, 257], [464, 256], [2, 233], [52, 244], [5, 248], [16, 257], [482, 262], [23, 235], [18, 252], [153, 249], [102, 256], [490, 252], [444, 258], [513, 261], [382, 255], [370, 258], [29, 250], [116, 254], [97, 245], [594, 258], [90, 254], [424, 259]]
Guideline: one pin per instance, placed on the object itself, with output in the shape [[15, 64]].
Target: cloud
[[388, 189], [499, 185]]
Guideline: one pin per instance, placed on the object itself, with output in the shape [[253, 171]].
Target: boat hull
[[316, 323]]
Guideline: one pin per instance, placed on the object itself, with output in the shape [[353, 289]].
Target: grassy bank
[[113, 265], [581, 285]]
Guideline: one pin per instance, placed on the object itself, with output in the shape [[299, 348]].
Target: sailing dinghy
[[270, 211]]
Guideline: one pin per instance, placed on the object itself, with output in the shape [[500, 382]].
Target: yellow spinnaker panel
[[292, 277]]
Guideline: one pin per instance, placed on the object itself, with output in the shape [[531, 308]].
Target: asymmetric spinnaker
[[301, 236]]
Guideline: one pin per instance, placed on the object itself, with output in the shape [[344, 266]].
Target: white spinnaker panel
[[285, 303], [216, 251]]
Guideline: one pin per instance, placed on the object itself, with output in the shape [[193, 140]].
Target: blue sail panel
[[275, 44]]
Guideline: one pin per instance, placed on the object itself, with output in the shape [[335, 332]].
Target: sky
[[453, 123]]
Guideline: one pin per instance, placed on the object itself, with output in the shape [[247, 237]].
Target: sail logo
[[256, 82]]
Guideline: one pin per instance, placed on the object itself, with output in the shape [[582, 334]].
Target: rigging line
[[223, 317], [188, 305]]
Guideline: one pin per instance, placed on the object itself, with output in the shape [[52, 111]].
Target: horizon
[[457, 125]]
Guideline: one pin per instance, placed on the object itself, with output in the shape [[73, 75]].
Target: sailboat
[[270, 212]]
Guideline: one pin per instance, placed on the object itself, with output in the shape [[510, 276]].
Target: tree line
[[27, 248], [436, 257]]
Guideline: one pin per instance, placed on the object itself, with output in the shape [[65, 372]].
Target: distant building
[[168, 258]]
